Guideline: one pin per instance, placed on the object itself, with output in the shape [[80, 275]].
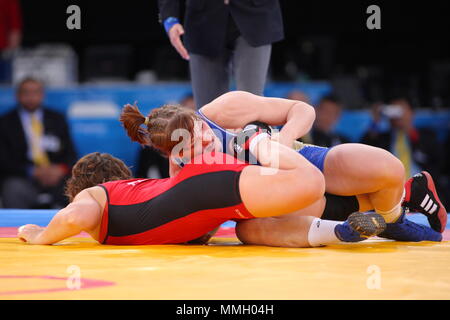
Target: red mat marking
[[225, 232], [84, 284], [446, 234], [11, 232]]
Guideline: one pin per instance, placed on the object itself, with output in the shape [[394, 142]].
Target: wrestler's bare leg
[[290, 230], [352, 169]]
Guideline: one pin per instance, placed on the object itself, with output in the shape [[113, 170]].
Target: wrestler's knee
[[391, 169], [312, 184]]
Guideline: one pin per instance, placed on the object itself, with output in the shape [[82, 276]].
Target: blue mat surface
[[18, 217]]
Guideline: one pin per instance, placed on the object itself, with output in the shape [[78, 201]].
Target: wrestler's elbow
[[307, 111], [73, 219]]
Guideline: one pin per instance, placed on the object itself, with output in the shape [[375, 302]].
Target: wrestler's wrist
[[287, 138]]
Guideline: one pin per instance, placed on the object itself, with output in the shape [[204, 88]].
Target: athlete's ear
[[179, 162], [173, 168]]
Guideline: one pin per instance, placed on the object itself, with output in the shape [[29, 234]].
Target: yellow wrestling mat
[[225, 269]]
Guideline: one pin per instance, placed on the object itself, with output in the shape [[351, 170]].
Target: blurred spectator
[[10, 35], [298, 95], [328, 112], [378, 123], [220, 34], [36, 151], [445, 179], [188, 101], [418, 149], [151, 164]]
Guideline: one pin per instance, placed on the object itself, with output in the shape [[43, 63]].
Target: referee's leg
[[210, 77], [250, 66]]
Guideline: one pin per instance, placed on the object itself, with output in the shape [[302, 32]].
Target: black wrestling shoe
[[421, 196]]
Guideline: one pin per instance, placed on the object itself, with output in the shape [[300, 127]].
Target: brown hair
[[93, 169], [161, 123]]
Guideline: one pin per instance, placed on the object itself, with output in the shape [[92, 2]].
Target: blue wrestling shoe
[[360, 226], [406, 230]]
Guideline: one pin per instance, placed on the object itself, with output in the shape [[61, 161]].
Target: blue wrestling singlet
[[221, 133], [314, 154]]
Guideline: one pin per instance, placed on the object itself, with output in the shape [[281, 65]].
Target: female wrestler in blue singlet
[[371, 174], [374, 175]]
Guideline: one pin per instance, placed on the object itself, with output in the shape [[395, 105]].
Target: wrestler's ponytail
[[156, 129], [132, 120]]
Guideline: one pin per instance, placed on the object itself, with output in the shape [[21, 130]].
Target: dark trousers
[[211, 76]]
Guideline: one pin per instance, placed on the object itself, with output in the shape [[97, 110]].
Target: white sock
[[321, 232], [392, 215]]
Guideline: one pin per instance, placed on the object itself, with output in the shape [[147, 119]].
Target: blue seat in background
[[95, 128]]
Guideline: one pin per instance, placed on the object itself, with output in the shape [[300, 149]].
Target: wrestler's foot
[[360, 226], [406, 230], [421, 196]]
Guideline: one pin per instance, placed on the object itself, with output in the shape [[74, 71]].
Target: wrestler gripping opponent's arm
[[207, 129], [374, 175], [238, 108], [349, 169]]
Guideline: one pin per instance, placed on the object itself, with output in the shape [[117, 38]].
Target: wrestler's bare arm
[[83, 214], [237, 108]]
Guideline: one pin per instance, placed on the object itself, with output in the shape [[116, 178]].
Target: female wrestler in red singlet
[[198, 199]]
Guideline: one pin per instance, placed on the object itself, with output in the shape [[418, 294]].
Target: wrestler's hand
[[243, 140], [29, 232]]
